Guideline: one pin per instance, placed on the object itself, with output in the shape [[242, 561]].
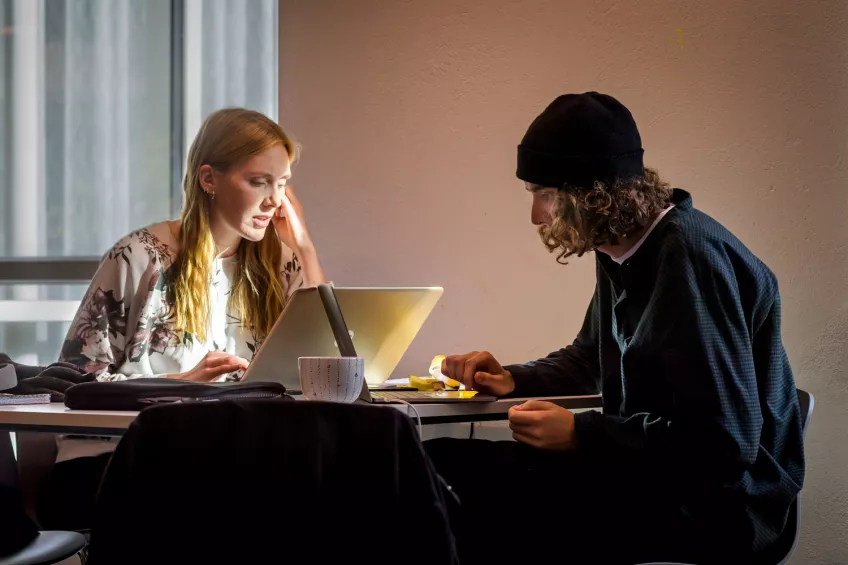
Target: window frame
[[81, 269]]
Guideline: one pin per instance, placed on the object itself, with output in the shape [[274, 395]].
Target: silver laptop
[[347, 348], [382, 322]]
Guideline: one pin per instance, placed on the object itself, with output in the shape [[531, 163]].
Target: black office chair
[[783, 549], [23, 544], [270, 481], [48, 547]]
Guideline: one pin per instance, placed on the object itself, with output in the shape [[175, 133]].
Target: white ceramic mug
[[332, 379]]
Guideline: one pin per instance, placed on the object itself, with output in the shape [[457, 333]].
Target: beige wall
[[410, 111]]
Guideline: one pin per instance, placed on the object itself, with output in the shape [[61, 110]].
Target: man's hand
[[543, 425], [479, 371]]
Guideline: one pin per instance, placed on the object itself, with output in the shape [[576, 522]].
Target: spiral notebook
[[6, 399]]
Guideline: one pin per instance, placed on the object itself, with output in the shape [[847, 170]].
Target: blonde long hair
[[227, 137]]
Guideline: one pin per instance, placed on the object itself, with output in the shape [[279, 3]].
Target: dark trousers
[[67, 500], [523, 505]]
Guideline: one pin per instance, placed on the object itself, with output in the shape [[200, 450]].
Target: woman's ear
[[206, 175]]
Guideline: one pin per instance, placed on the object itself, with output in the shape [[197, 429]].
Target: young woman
[[192, 298]]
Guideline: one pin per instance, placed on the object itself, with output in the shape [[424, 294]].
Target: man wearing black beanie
[[698, 453]]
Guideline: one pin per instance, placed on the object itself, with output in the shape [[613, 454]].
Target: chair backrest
[[783, 549], [18, 529], [266, 481], [807, 402]]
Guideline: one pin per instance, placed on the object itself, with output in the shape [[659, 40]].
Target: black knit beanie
[[578, 139]]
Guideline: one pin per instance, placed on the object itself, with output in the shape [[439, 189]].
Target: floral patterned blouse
[[124, 327]]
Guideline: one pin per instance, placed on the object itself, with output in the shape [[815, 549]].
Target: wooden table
[[55, 418]]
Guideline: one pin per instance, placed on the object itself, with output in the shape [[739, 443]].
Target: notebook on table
[[11, 399]]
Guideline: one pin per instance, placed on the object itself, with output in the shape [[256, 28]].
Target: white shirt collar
[[620, 260]]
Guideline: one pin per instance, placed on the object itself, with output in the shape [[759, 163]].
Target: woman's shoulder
[[155, 244]]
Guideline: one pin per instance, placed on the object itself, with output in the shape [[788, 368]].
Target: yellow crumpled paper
[[436, 380]]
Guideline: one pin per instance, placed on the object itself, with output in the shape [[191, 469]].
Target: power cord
[[414, 409], [471, 433]]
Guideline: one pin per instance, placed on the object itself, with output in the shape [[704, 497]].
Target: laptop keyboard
[[430, 396], [403, 395]]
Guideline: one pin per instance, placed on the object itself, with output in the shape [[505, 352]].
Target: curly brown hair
[[583, 219]]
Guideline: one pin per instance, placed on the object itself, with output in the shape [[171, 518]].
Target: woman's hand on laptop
[[479, 371], [213, 365]]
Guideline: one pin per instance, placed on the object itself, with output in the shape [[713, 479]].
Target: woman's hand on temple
[[291, 227]]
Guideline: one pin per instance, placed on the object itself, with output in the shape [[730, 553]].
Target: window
[[99, 100]]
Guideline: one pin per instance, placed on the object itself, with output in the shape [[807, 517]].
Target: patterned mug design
[[332, 379]]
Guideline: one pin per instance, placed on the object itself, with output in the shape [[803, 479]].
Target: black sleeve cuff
[[526, 381], [589, 429]]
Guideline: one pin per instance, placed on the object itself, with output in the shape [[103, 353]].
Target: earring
[[211, 195]]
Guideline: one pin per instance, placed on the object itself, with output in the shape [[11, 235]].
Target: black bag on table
[[137, 394]]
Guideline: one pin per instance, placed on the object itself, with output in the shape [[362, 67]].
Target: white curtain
[[109, 108], [240, 55], [230, 58], [87, 121]]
